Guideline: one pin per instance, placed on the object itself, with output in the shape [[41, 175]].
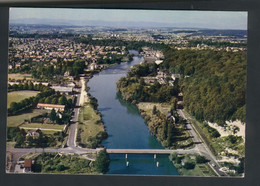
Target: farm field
[[18, 96], [15, 121]]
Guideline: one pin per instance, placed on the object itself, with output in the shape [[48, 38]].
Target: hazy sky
[[199, 19]]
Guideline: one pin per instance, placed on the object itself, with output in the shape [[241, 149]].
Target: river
[[125, 127]]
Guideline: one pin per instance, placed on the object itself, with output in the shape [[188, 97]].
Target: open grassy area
[[19, 76], [18, 96], [56, 163], [90, 124], [14, 121], [199, 170], [44, 127], [148, 106], [10, 144]]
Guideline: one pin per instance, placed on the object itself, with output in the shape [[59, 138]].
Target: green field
[[148, 107], [19, 76], [14, 121], [44, 127], [88, 126], [18, 96], [199, 170]]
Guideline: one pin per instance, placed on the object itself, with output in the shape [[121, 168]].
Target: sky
[[176, 18]]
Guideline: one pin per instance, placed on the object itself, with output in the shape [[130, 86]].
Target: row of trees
[[27, 86], [28, 103]]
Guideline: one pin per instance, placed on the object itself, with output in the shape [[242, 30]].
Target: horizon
[[219, 20]]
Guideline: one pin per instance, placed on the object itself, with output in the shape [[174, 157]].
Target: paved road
[[201, 146], [73, 127]]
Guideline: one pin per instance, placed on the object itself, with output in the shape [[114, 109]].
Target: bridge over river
[[150, 151]]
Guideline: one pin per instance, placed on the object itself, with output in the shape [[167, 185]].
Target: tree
[[48, 100], [154, 109], [102, 162], [201, 159], [189, 165], [62, 100], [53, 115]]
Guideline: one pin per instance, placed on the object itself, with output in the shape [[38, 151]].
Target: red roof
[[50, 105], [28, 163]]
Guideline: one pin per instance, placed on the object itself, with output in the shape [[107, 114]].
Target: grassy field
[[18, 96], [14, 121], [19, 76], [44, 127], [89, 123], [69, 164], [10, 144], [148, 106], [199, 170]]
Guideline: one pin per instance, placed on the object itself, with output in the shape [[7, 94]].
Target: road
[[201, 146], [73, 127]]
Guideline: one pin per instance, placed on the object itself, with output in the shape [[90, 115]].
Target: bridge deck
[[148, 151]]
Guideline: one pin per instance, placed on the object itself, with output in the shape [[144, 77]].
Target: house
[[158, 62], [33, 133], [150, 59], [51, 106], [93, 66], [175, 76], [71, 84], [28, 165]]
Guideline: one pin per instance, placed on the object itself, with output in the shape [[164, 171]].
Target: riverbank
[[186, 164], [177, 138], [91, 129]]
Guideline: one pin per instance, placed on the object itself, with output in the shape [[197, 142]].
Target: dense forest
[[213, 83]]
